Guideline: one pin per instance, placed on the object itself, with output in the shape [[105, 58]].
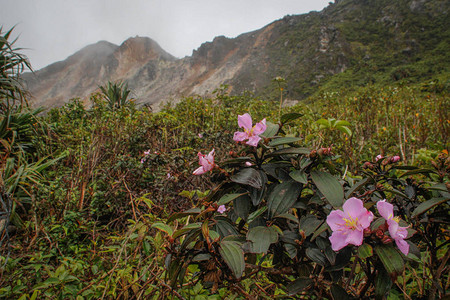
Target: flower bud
[[395, 159], [368, 165], [386, 240], [313, 154]]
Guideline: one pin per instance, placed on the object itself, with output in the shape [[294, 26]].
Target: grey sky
[[54, 29]]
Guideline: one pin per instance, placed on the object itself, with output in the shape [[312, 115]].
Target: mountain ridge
[[350, 42]]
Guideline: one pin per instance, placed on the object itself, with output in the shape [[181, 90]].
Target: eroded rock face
[[307, 50]]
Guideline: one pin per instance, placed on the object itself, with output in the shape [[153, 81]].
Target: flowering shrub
[[277, 211]]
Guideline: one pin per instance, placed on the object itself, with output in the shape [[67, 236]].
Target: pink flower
[[395, 159], [250, 133], [222, 209], [206, 163], [396, 232], [379, 156], [147, 152], [142, 160], [248, 164], [348, 225], [200, 135]]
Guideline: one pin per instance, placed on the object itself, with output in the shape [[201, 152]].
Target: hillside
[[350, 43]]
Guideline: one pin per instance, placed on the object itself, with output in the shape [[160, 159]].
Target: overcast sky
[[52, 30]]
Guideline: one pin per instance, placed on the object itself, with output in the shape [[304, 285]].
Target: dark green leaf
[[233, 256], [365, 251], [163, 227], [319, 230], [299, 176], [425, 206], [283, 197], [383, 283], [289, 117], [228, 197], [224, 227], [271, 130], [283, 140], [329, 186], [338, 292], [190, 212], [186, 229], [287, 216], [298, 285], [289, 150], [316, 256], [357, 186], [418, 171], [248, 176], [391, 259], [309, 224], [261, 238], [256, 214], [242, 206]]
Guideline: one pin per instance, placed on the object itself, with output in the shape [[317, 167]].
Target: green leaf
[[365, 251], [316, 256], [256, 214], [189, 212], [338, 292], [224, 227], [383, 283], [283, 197], [287, 216], [298, 285], [391, 259], [248, 176], [329, 186], [344, 129], [284, 140], [299, 176], [163, 227], [289, 117], [309, 224], [233, 256], [357, 186], [228, 198], [262, 237], [271, 130], [323, 123], [242, 206], [290, 150], [342, 123], [319, 230], [185, 229], [425, 206], [417, 171]]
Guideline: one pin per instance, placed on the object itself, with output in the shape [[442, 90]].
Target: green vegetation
[[101, 202]]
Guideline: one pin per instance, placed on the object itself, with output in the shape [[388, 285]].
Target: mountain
[[349, 43]]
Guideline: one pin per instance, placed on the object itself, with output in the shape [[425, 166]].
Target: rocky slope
[[351, 42]]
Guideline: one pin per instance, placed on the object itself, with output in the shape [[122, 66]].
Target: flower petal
[[338, 240], [354, 207], [385, 209], [354, 237], [240, 136], [334, 219], [245, 121], [260, 127], [403, 246], [253, 140], [210, 156], [365, 219], [199, 171]]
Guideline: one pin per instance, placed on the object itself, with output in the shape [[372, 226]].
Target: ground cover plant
[[344, 196]]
